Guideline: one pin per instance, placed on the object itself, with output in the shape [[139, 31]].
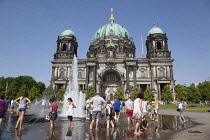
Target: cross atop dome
[[111, 19]]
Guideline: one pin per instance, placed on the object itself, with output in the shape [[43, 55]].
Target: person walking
[[138, 112], [129, 109], [117, 106], [109, 115], [43, 103], [98, 104], [2, 108], [70, 111], [22, 106], [88, 109], [12, 106], [180, 107], [53, 112]]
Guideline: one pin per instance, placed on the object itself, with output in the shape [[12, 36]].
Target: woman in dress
[[22, 106], [138, 112], [70, 111]]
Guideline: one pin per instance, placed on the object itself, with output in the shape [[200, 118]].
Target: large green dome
[[68, 33], [111, 29], [155, 30]]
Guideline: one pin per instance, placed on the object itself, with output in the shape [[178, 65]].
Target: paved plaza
[[168, 126]]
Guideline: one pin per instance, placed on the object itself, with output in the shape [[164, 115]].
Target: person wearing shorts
[[98, 104], [70, 112], [22, 103], [129, 109], [117, 106], [53, 112]]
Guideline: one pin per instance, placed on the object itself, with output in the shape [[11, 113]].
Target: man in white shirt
[[129, 108], [98, 104]]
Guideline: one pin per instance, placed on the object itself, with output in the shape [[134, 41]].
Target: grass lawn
[[174, 106], [196, 110]]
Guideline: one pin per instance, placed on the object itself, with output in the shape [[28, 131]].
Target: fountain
[[74, 93]]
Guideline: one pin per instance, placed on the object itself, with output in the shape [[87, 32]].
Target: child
[[70, 111], [110, 117], [149, 109]]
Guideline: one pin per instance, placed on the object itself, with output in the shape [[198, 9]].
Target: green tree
[[22, 89], [41, 87], [148, 94], [60, 94], [118, 93], [166, 94], [134, 93], [48, 92], [26, 80], [204, 89], [33, 93], [194, 94], [90, 92], [181, 92], [12, 92]]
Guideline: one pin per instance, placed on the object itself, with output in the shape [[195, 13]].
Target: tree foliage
[[148, 94], [194, 94], [204, 89], [17, 85], [166, 94], [90, 92], [48, 92], [134, 93], [60, 94], [119, 94], [181, 92]]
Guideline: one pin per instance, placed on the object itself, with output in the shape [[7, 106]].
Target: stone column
[[94, 77], [56, 70], [87, 77], [98, 86], [134, 75], [127, 77]]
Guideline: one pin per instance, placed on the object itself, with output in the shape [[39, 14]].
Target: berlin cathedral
[[111, 62]]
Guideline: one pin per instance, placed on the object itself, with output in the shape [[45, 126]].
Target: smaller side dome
[[68, 33], [155, 30]]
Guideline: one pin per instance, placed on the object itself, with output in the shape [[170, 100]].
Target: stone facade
[[111, 62]]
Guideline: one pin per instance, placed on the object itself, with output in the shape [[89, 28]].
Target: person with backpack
[[109, 114]]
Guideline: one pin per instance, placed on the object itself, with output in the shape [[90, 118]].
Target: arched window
[[91, 75], [159, 46], [131, 74], [79, 75], [142, 74], [161, 73], [62, 74], [64, 47]]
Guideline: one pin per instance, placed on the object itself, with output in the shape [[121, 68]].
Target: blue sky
[[29, 30]]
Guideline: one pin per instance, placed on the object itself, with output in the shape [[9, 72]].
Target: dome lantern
[[155, 30]]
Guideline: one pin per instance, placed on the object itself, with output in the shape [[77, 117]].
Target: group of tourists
[[96, 108], [135, 111]]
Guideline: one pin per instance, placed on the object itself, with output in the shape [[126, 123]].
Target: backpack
[[112, 112]]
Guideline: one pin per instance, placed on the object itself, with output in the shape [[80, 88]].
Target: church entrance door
[[111, 81]]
